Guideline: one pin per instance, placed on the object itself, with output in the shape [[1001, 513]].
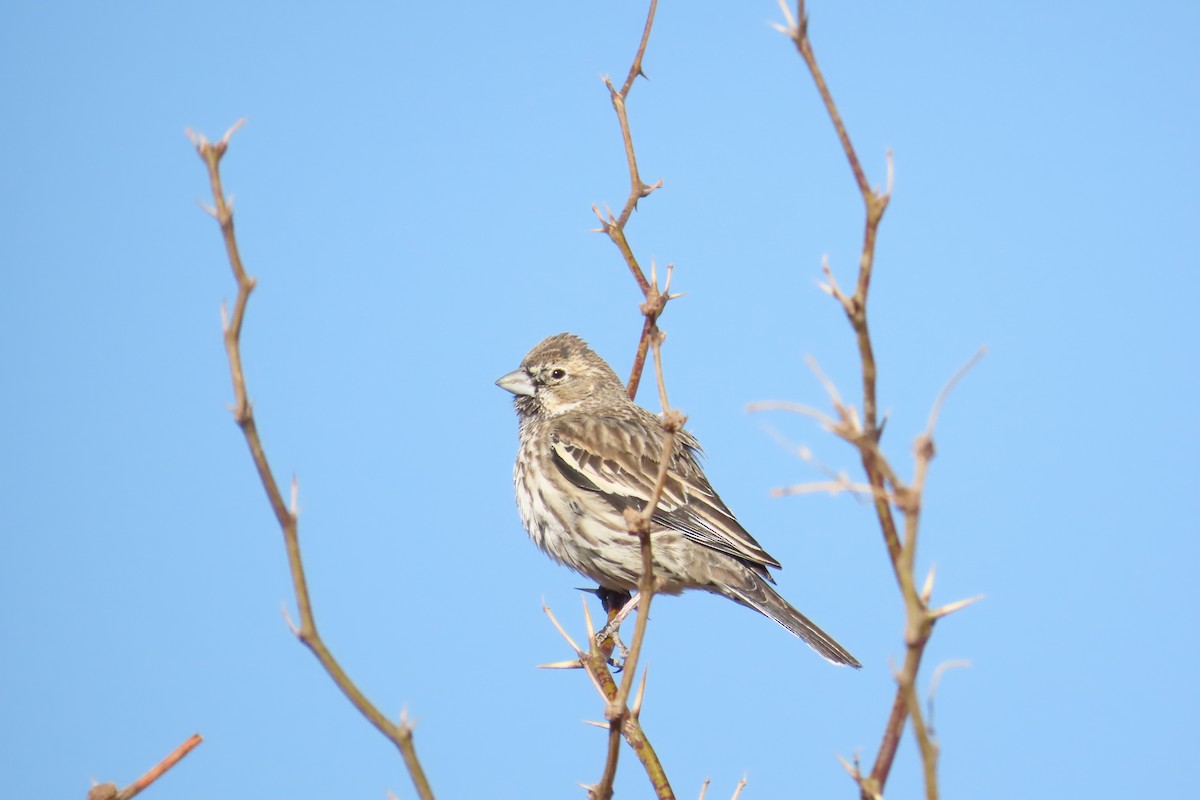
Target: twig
[[108, 791], [401, 733], [617, 711], [888, 491], [614, 226], [623, 721]]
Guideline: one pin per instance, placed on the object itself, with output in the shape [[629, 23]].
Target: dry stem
[[401, 733], [886, 489], [622, 720], [108, 791], [614, 226]]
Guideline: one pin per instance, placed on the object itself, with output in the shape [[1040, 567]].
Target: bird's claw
[[608, 640]]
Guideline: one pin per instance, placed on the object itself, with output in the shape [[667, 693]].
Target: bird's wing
[[619, 460]]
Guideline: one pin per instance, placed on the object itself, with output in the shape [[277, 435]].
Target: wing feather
[[619, 461]]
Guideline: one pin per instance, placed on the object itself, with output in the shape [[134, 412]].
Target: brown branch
[[595, 664], [108, 791], [620, 718], [614, 226], [887, 489], [401, 733], [617, 710]]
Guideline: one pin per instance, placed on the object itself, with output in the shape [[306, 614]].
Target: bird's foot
[[609, 632]]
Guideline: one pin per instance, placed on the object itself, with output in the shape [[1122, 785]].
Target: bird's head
[[559, 374]]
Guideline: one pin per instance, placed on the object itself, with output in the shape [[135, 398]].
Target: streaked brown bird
[[587, 453]]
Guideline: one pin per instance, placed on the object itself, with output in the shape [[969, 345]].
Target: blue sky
[[413, 190]]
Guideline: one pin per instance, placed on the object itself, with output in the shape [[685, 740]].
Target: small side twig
[[108, 791], [399, 733]]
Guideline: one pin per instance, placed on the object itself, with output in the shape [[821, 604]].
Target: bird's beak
[[518, 383]]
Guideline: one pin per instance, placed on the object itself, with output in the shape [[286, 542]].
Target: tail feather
[[758, 595]]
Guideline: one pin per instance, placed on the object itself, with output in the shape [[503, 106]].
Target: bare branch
[[888, 492], [108, 791], [614, 226], [618, 712], [401, 735]]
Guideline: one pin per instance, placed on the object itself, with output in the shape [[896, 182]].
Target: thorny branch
[[886, 489], [614, 226], [399, 733], [108, 791], [623, 720]]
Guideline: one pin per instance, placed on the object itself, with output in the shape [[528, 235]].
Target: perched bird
[[587, 453]]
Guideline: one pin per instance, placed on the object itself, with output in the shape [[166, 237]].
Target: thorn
[[950, 608], [207, 209], [563, 633], [950, 384], [891, 175], [927, 589], [288, 619], [575, 664], [587, 619], [851, 770], [224, 317], [827, 384], [667, 286], [636, 710], [295, 509], [597, 724], [232, 130], [787, 16], [933, 687], [404, 722]]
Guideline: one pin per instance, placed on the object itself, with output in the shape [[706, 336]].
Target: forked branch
[[888, 492], [399, 733], [614, 226], [622, 720]]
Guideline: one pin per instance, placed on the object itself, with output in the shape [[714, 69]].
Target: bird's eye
[[558, 374]]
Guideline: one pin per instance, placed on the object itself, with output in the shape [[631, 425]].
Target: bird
[[587, 452]]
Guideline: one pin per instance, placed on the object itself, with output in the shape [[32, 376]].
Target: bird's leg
[[617, 603], [619, 606]]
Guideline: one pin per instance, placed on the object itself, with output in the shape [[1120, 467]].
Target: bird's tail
[[758, 594]]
